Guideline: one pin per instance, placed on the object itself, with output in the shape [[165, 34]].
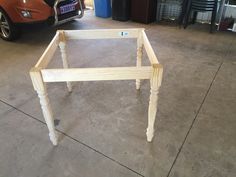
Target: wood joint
[[62, 36], [155, 66], [35, 70]]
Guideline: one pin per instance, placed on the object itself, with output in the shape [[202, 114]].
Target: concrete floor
[[102, 124]]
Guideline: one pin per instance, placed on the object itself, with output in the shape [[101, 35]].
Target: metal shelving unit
[[223, 6]]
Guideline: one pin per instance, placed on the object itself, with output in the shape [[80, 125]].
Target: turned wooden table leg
[[139, 58], [62, 46], [155, 83], [40, 88]]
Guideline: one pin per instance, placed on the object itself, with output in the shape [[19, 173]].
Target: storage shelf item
[[102, 8], [121, 10], [143, 11], [168, 9]]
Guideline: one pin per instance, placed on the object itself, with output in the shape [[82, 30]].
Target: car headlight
[[26, 13]]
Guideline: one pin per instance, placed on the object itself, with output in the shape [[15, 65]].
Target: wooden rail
[[96, 74]]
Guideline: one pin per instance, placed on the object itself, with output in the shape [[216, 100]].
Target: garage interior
[[101, 125]]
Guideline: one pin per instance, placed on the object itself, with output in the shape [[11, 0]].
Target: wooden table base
[[40, 75]]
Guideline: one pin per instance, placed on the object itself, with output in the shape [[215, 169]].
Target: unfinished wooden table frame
[[40, 75]]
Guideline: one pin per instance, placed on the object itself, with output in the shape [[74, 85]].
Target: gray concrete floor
[[102, 124]]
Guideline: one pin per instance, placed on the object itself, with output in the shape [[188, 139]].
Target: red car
[[14, 12]]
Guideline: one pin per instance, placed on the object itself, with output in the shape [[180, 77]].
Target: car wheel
[[8, 31]]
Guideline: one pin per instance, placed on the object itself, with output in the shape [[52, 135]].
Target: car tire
[[8, 30]]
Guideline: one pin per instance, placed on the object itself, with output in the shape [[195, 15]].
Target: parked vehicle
[[15, 12]]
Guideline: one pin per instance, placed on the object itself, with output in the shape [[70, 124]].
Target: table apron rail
[[96, 74]]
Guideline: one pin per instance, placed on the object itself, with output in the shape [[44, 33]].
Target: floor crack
[[193, 121], [74, 139]]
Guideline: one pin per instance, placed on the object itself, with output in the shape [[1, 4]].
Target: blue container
[[102, 8]]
